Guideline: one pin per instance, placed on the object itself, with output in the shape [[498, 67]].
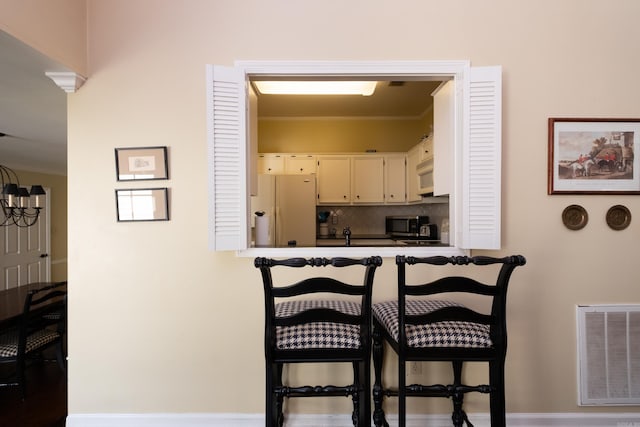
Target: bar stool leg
[[378, 393], [458, 417]]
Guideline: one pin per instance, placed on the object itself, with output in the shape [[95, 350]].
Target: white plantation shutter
[[227, 158], [482, 159]]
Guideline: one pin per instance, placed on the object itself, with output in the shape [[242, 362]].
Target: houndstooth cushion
[[317, 334], [9, 341], [439, 334]]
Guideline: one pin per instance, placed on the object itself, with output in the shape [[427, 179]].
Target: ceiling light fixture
[[301, 87], [20, 206]]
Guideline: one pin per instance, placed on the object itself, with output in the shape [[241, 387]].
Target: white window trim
[[459, 71]]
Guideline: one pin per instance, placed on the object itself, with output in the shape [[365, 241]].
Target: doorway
[[24, 252]]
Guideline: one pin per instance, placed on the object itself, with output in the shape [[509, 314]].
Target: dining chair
[[319, 318], [41, 326], [421, 326]]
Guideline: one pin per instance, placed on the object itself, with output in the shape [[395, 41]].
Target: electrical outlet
[[415, 368]]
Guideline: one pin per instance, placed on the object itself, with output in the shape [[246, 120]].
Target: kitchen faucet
[[347, 236]]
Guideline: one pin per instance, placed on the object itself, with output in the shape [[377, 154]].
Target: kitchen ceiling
[[409, 99], [33, 110]]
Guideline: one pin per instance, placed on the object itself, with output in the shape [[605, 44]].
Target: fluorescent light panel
[[299, 87]]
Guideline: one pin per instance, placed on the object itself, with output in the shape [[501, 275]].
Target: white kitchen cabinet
[[443, 137], [300, 164], [334, 180], [395, 179], [375, 179], [272, 164], [368, 179], [413, 158], [426, 148]]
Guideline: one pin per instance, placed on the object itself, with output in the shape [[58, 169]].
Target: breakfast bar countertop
[[358, 240]]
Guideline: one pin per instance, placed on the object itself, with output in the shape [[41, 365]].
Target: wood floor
[[45, 404]]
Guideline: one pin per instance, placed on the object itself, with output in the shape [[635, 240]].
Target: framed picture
[[141, 163], [144, 204], [593, 156]]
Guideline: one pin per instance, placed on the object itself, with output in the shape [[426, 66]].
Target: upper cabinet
[[374, 179], [286, 164], [395, 188], [426, 148], [368, 180], [443, 138], [413, 158], [299, 164], [334, 180], [272, 164]]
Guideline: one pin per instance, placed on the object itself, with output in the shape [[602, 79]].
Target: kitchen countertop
[[356, 240], [355, 236], [372, 240]]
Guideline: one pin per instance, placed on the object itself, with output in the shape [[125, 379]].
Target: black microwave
[[405, 226]]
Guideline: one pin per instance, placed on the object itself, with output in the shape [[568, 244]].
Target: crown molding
[[67, 81]]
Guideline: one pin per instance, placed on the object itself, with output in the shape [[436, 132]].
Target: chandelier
[[20, 206]]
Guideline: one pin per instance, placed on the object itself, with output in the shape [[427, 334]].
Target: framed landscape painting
[[593, 156]]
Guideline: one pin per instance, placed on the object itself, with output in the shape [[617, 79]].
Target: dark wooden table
[[12, 301]]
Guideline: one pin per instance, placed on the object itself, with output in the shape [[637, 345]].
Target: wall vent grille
[[609, 354]]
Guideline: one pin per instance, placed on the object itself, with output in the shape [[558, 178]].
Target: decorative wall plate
[[618, 217], [575, 217]]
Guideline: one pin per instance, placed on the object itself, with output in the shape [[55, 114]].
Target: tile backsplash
[[370, 219]]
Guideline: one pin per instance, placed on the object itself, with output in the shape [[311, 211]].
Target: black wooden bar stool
[[302, 329], [429, 329]]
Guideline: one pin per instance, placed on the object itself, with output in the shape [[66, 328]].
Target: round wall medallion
[[618, 217], [575, 217]]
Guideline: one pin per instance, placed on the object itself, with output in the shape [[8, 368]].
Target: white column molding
[[67, 81]]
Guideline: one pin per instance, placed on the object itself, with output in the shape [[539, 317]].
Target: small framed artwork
[[144, 204], [141, 163], [593, 156]]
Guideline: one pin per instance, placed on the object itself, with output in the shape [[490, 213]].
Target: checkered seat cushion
[[317, 334], [438, 334], [9, 341]]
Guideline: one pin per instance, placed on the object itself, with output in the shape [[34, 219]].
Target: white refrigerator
[[289, 205]]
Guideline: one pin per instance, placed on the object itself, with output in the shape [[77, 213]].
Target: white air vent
[[609, 354]]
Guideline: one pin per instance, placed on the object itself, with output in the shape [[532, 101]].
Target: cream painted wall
[[160, 324], [58, 186], [318, 135]]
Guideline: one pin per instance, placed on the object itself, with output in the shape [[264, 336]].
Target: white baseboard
[[587, 419]]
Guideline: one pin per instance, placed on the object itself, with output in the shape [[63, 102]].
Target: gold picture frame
[[593, 156]]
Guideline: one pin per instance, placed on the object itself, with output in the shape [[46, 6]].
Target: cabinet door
[[270, 164], [426, 148], [413, 158], [334, 180], [300, 164], [443, 134], [368, 180], [395, 179]]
